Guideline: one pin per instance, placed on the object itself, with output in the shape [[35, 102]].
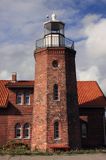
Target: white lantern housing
[[54, 33]]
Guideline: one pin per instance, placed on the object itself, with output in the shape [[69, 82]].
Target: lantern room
[[54, 35], [54, 32]]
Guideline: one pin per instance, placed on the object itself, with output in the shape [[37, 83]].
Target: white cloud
[[91, 73], [17, 58], [4, 74], [90, 19], [21, 23], [103, 85], [96, 41], [91, 51]]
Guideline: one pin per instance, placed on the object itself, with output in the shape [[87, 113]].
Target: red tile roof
[[90, 94], [4, 92]]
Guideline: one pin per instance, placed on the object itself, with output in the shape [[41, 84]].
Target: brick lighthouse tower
[[55, 111]]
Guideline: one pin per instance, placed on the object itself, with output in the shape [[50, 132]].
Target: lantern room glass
[[53, 27], [54, 34]]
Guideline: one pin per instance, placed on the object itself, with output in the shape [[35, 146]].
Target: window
[[26, 131], [55, 63], [55, 92], [84, 130], [56, 130], [27, 99], [19, 99], [18, 131]]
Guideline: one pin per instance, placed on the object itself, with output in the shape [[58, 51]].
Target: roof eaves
[[91, 106], [6, 101], [21, 86]]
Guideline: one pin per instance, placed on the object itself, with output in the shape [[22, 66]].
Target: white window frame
[[28, 128], [27, 95], [56, 130], [19, 95], [19, 128]]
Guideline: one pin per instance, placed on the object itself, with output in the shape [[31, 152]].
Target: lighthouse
[[55, 110]]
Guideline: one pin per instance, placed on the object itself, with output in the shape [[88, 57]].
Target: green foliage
[[13, 145], [14, 148]]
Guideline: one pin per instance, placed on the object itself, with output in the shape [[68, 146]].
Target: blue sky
[[21, 23]]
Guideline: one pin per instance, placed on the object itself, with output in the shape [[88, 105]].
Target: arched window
[[26, 130], [55, 92], [18, 130], [56, 129], [84, 130]]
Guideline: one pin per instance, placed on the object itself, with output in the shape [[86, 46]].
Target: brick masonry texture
[[43, 110], [46, 110], [14, 114]]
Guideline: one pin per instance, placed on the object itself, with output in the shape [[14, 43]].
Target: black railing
[[50, 41], [69, 43]]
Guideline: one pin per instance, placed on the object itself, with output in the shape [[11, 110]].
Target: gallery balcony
[[54, 40]]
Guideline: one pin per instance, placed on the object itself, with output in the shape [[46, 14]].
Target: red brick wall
[[57, 109], [39, 132], [3, 129], [95, 122], [15, 114], [12, 121], [46, 110]]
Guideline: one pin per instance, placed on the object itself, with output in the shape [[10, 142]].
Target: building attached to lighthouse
[[54, 111]]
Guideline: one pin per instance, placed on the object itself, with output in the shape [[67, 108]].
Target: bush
[[14, 145], [15, 148]]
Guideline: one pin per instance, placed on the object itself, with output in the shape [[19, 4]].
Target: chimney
[[14, 77]]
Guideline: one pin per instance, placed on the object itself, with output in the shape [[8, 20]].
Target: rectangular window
[[84, 130], [18, 135], [26, 131], [18, 131], [55, 92], [19, 99], [56, 130], [27, 99]]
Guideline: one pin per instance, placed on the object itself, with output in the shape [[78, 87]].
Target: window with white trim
[[18, 130], [56, 130], [26, 131], [27, 99], [19, 99]]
